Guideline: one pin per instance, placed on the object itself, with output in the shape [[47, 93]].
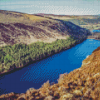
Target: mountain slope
[[25, 28], [19, 31], [86, 21]]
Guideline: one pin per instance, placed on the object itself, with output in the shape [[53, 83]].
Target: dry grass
[[35, 18], [83, 82], [26, 28], [14, 17], [80, 82]]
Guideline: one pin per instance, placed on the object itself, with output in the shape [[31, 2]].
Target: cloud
[[69, 7], [65, 10]]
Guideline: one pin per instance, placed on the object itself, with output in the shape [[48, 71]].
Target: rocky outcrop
[[80, 84]]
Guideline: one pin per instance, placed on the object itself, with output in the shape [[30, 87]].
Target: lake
[[50, 68], [97, 31]]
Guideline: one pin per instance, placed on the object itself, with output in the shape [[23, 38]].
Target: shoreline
[[72, 85], [31, 62], [94, 35], [93, 38]]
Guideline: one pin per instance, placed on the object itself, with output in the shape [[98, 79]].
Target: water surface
[[50, 68], [97, 31]]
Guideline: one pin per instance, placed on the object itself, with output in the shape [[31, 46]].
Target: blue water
[[96, 31], [50, 68]]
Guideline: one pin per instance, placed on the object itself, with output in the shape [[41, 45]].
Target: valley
[[27, 39]]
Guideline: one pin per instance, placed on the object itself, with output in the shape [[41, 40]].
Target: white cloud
[[66, 10]]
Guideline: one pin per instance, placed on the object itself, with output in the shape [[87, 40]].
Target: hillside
[[27, 28], [86, 21], [80, 84], [25, 38]]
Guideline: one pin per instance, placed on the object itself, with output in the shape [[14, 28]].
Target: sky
[[59, 7]]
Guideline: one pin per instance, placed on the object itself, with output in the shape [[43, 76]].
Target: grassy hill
[[27, 28], [86, 21], [25, 38]]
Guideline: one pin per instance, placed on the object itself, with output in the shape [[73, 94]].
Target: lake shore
[[73, 85], [95, 36], [31, 62]]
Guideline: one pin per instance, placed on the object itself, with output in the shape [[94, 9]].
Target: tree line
[[18, 55]]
